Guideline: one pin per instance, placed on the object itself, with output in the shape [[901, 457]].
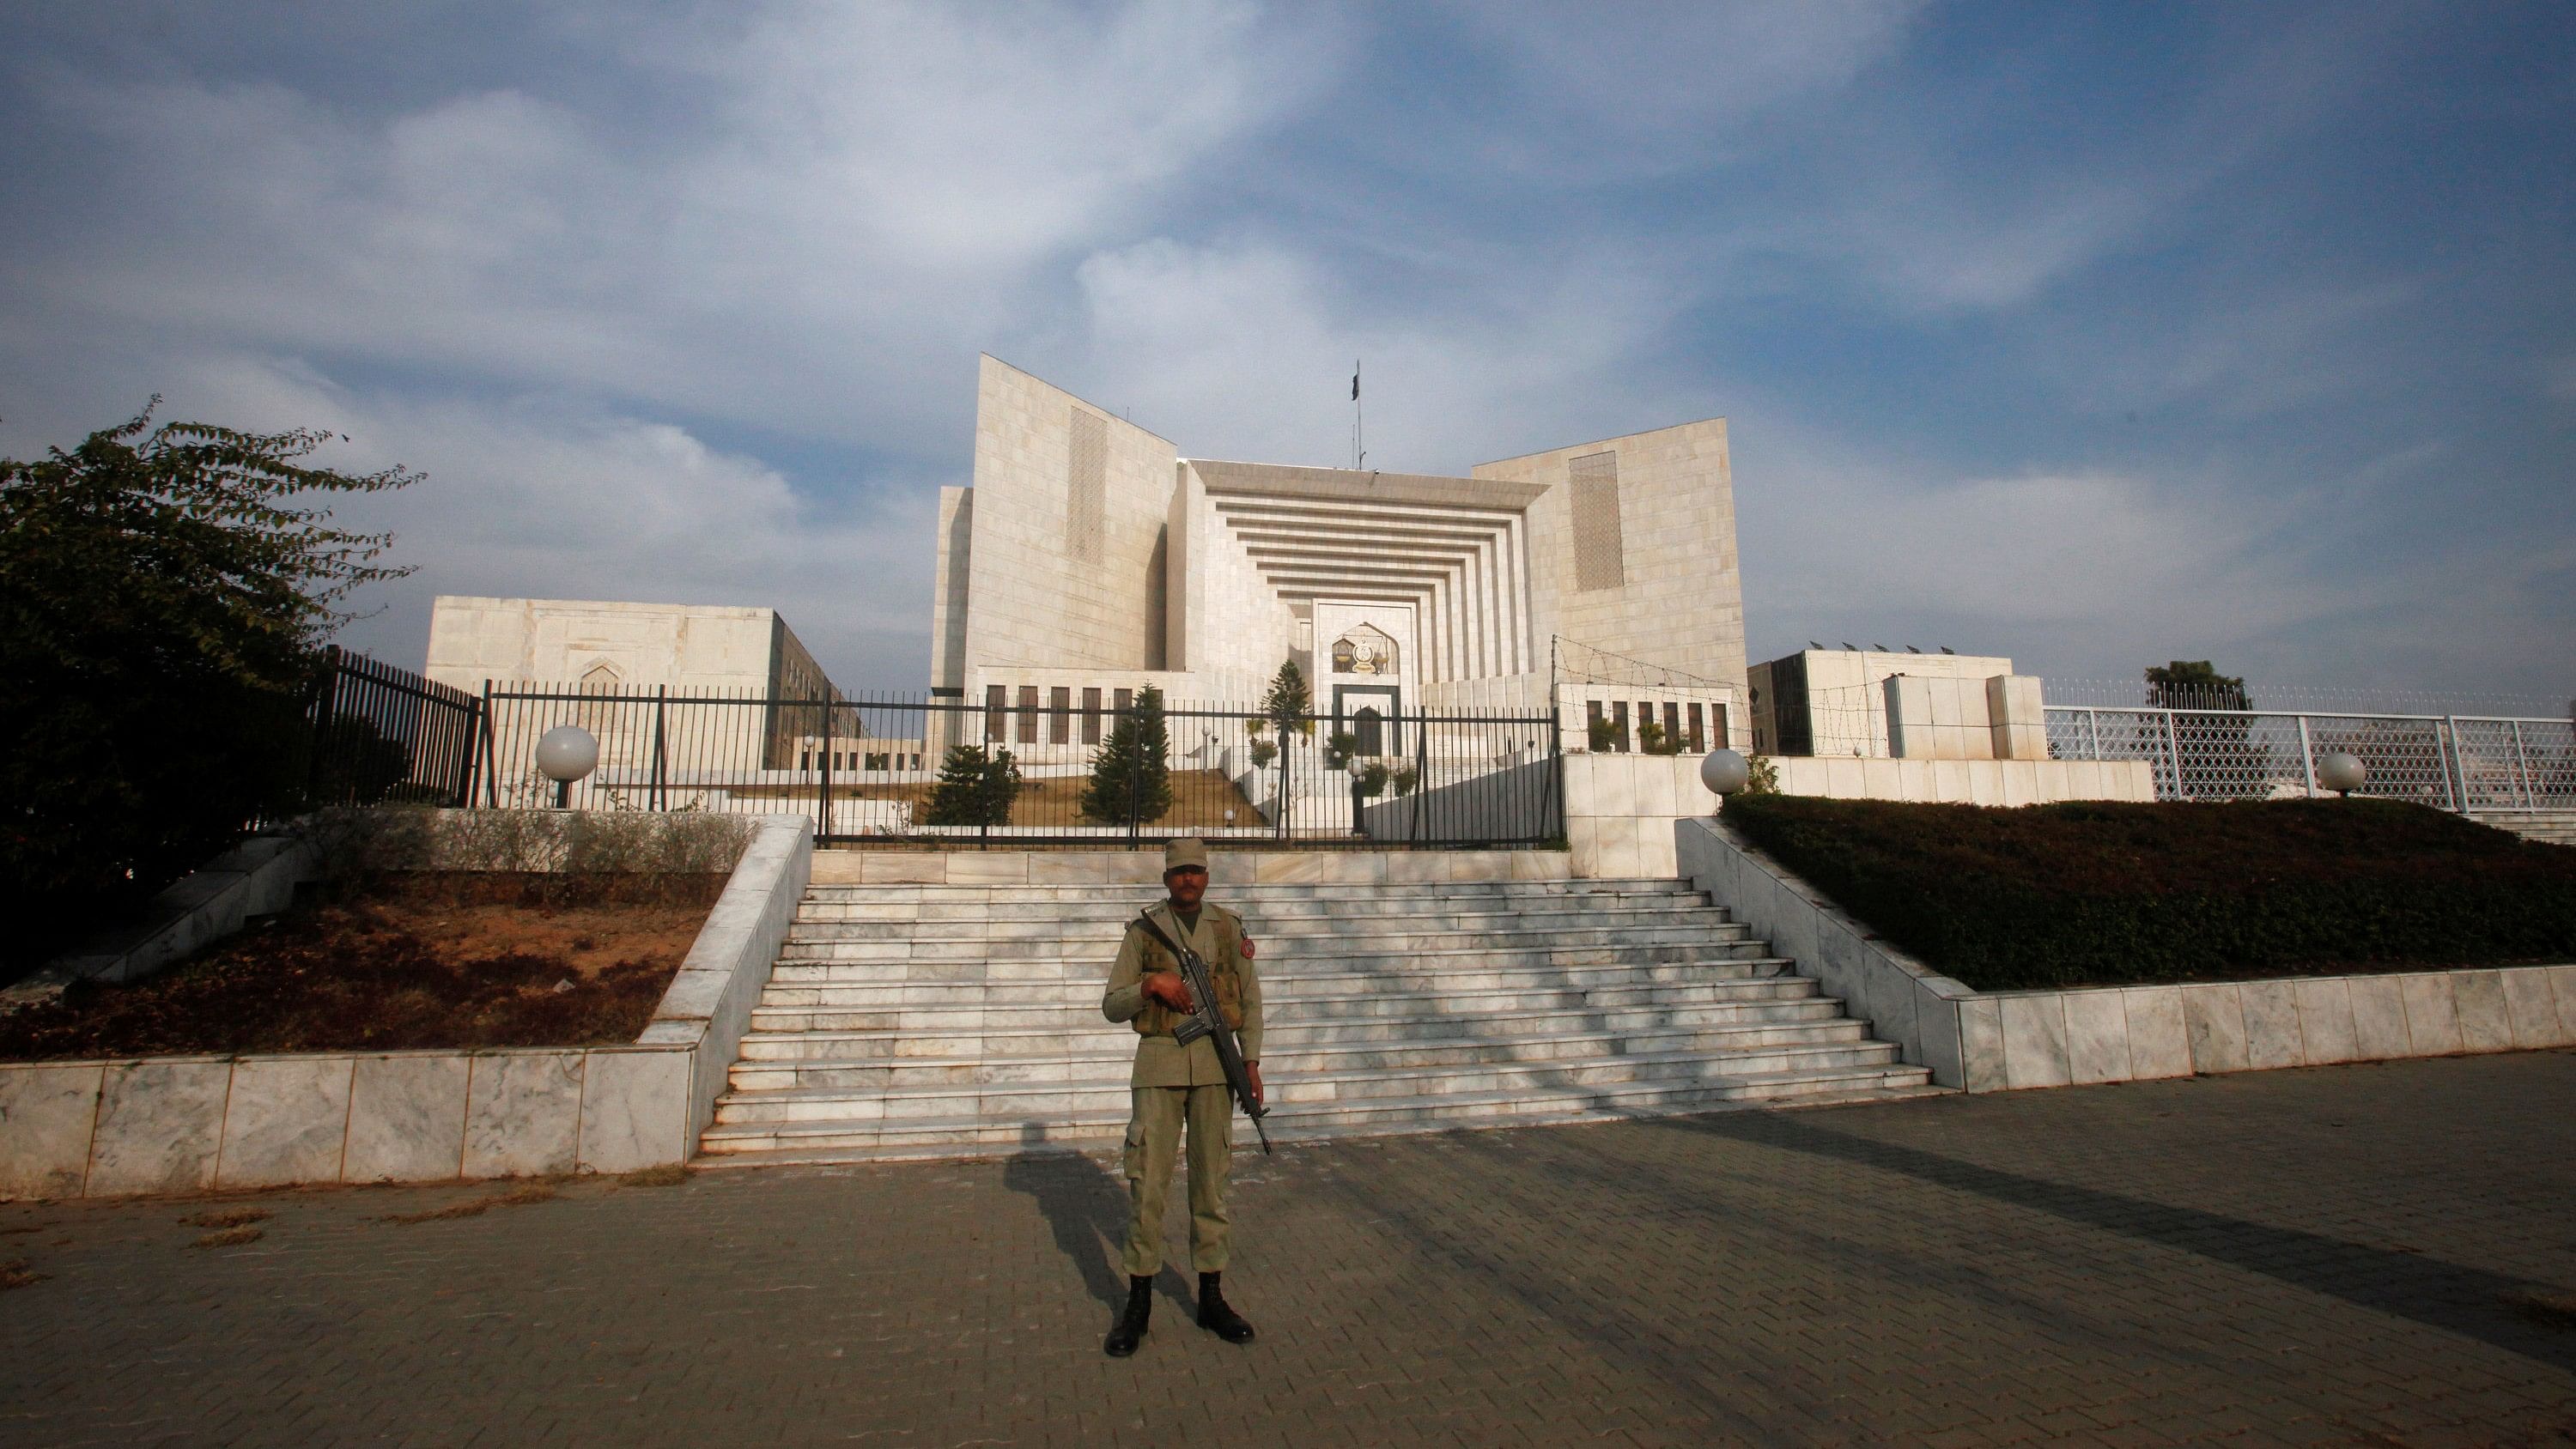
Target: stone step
[[1085, 1016], [1288, 915], [1109, 926], [1277, 993], [956, 963], [932, 980], [1233, 896], [1109, 1067], [1294, 1092], [969, 1135], [1004, 1044], [1040, 940]]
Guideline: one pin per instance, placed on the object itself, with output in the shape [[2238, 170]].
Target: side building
[[754, 703]]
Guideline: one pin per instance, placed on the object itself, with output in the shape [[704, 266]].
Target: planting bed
[[408, 961], [2096, 893]]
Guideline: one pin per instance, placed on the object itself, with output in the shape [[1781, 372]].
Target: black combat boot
[[1131, 1324], [1216, 1317]]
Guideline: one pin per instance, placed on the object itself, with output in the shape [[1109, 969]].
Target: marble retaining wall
[[190, 1124], [1993, 1041]]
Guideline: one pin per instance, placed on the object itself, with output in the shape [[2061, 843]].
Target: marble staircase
[[938, 1020]]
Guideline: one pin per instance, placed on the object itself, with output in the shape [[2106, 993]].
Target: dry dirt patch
[[412, 963]]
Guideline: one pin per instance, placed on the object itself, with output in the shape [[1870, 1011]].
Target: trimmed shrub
[[2098, 892]]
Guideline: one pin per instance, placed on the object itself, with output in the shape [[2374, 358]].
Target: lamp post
[[1725, 773], [564, 754], [2341, 772]]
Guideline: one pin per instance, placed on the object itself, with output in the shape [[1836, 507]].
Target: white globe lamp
[[2341, 772], [1725, 772], [564, 754]]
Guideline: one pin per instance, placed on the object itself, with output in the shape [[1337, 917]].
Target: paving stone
[[2315, 1256]]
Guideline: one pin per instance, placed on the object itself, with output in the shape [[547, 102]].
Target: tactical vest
[[1160, 1020]]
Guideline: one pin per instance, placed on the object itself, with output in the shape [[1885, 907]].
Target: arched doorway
[[1369, 728]]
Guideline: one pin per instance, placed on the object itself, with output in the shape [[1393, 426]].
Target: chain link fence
[[2454, 762]]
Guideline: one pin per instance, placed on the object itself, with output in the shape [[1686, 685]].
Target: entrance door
[[1369, 726]]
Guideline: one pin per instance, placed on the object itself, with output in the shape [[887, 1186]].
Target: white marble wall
[[1620, 809], [189, 1124], [1994, 1041]]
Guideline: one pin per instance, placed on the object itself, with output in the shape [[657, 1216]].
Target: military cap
[[1188, 851]]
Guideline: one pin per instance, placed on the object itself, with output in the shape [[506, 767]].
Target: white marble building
[[1090, 557]]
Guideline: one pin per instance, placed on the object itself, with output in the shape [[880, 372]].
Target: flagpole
[[1359, 421]]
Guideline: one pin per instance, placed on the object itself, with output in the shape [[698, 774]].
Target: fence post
[[2093, 725], [2522, 769], [661, 699], [491, 757], [2173, 755], [326, 698], [2307, 757], [2448, 756], [823, 777], [1421, 775]]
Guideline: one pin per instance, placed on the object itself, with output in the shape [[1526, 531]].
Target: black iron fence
[[382, 735], [895, 771]]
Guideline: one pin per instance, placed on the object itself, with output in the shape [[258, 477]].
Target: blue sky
[[2096, 336]]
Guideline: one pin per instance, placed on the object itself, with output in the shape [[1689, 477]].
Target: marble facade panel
[[2431, 1022], [634, 1109], [2378, 1018], [2214, 1021], [287, 1121], [523, 1113], [2325, 1020], [2034, 1032], [160, 1126], [47, 1111], [2159, 1042], [2097, 1037], [406, 1117], [2533, 1008], [2486, 1023], [2271, 1025]]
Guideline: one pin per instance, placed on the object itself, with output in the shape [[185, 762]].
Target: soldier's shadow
[[1085, 1205]]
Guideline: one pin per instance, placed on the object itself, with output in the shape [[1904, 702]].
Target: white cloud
[[538, 496]]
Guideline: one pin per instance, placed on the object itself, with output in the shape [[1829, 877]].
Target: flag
[[1355, 382]]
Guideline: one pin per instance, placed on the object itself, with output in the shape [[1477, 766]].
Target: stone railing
[[187, 1124]]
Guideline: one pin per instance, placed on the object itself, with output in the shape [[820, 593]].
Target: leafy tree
[[164, 594], [2194, 684], [1131, 777], [1339, 747], [975, 787], [1602, 734], [2216, 752]]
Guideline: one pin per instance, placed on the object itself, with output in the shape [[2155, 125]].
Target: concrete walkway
[[2333, 1256]]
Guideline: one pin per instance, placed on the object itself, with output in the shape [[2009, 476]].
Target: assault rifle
[[1206, 1020]]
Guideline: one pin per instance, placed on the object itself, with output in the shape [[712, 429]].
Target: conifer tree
[[1288, 704], [974, 788], [1131, 779]]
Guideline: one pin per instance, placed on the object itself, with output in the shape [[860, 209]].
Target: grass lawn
[[2089, 893], [409, 961]]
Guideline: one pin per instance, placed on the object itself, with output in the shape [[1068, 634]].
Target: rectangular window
[[1591, 721], [1718, 713], [1091, 715], [877, 762], [805, 761], [1698, 743], [995, 731], [1672, 726], [1059, 715], [1619, 725], [1124, 700], [1028, 714]]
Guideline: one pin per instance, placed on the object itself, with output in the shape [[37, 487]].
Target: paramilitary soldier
[[1176, 1085]]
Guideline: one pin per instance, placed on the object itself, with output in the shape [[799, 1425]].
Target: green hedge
[[2096, 892]]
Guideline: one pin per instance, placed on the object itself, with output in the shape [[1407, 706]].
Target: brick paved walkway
[[2316, 1257]]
